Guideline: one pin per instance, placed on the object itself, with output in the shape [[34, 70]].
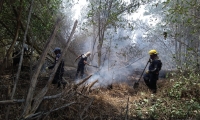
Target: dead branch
[[39, 114], [15, 101], [67, 82], [83, 88], [126, 117], [70, 107], [85, 109], [92, 84], [83, 95], [22, 54], [39, 97], [66, 91], [64, 106], [38, 68], [52, 97], [21, 57], [84, 80]]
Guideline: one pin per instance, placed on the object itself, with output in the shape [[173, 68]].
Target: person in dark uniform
[[60, 71], [151, 76], [17, 54], [81, 63]]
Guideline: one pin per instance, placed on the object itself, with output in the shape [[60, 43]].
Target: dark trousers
[[80, 69], [150, 80], [58, 78]]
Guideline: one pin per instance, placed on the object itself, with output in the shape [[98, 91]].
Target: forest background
[[119, 34]]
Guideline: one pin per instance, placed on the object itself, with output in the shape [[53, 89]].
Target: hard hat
[[87, 54], [57, 49], [153, 52]]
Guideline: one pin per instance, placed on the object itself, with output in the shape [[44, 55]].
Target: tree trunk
[[21, 59], [30, 109], [18, 17], [1, 5], [33, 83], [100, 44]]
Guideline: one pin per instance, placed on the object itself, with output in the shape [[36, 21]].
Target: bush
[[179, 101]]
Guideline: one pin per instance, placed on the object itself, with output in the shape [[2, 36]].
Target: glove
[[149, 60], [47, 68], [147, 72]]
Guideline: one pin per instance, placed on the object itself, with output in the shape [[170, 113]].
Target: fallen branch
[[15, 101], [34, 77], [39, 114], [39, 96], [52, 97], [75, 110], [83, 95], [66, 105], [84, 80], [85, 109], [83, 89], [92, 84]]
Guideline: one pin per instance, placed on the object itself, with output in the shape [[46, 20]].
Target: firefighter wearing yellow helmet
[[152, 74], [153, 52]]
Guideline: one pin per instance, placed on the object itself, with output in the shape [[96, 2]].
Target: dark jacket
[[81, 61], [155, 66], [60, 67]]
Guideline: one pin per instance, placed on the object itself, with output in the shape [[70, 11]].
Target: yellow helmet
[[152, 52]]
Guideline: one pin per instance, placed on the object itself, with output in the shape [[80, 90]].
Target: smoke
[[106, 76], [123, 53], [124, 50], [120, 57]]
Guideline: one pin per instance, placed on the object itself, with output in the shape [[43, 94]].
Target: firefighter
[[81, 64], [151, 76], [60, 70]]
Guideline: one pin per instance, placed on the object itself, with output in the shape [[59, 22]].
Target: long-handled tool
[[94, 66], [136, 84]]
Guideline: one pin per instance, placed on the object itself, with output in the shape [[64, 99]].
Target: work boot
[[153, 91], [59, 84]]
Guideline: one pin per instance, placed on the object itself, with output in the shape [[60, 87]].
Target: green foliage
[[110, 12], [42, 20], [183, 15], [180, 100]]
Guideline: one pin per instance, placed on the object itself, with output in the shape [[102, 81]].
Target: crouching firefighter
[[81, 63], [152, 74], [60, 70]]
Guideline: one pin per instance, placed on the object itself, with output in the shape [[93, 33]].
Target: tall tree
[[13, 22], [184, 17], [105, 14]]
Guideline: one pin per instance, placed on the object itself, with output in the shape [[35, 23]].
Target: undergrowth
[[179, 99]]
